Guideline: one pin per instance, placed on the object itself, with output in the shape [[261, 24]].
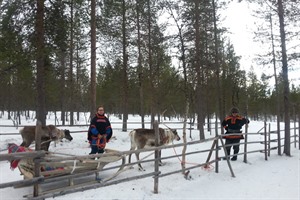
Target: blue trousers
[[95, 149]]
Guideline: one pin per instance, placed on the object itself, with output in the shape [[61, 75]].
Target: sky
[[240, 23], [275, 179], [240, 20]]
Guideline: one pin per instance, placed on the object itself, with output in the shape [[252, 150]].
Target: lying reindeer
[[49, 133], [141, 138]]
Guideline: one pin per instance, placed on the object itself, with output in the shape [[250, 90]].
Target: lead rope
[[205, 167]]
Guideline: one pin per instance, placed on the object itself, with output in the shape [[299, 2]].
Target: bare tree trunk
[[41, 102], [125, 75], [186, 90], [199, 73], [276, 88], [62, 86], [78, 90], [217, 67], [184, 137], [140, 68], [286, 92], [93, 58], [71, 82], [150, 65]]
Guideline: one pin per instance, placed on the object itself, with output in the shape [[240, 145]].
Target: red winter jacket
[[233, 124]]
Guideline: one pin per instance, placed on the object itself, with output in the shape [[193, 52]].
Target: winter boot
[[234, 158]]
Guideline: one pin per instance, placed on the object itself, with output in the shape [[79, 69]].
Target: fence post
[[298, 127], [299, 130], [190, 129], [278, 137], [217, 146], [226, 155], [265, 138], [245, 145], [37, 165], [157, 157], [269, 140], [295, 135]]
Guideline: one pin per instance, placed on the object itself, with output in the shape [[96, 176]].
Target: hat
[[234, 110]]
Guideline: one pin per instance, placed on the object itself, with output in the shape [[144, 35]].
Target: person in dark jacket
[[233, 124], [100, 132]]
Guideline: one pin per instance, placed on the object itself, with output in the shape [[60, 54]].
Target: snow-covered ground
[[277, 178]]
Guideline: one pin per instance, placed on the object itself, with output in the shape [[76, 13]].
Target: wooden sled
[[61, 165]]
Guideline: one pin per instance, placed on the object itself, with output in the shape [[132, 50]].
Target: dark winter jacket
[[233, 124], [99, 126]]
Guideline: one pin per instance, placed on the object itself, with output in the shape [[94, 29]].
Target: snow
[[277, 178]]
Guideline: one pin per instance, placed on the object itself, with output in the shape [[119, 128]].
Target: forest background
[[74, 55]]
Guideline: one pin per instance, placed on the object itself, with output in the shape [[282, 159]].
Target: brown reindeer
[[141, 138], [49, 133]]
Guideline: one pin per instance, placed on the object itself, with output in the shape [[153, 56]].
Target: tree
[[217, 65], [41, 107], [280, 8], [140, 73], [286, 93], [125, 67], [93, 58], [71, 80], [182, 49]]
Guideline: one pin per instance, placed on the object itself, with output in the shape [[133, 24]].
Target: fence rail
[[268, 144]]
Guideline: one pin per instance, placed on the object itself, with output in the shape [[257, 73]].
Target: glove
[[94, 131], [108, 134], [226, 128]]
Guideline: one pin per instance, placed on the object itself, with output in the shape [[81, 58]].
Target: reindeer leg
[[23, 144], [129, 161], [129, 158], [26, 143], [139, 164], [45, 146]]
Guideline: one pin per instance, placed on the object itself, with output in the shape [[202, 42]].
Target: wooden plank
[[211, 150], [246, 143], [228, 162], [265, 140], [157, 157], [37, 166], [22, 155], [106, 157], [22, 183], [85, 186]]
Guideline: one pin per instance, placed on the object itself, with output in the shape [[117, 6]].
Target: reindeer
[[49, 133], [141, 138]]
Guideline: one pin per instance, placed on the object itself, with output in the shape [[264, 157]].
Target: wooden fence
[[39, 157]]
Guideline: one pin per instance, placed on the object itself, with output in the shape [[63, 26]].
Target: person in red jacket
[[100, 131], [233, 124]]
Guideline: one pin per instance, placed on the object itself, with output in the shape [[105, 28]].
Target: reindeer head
[[177, 138], [68, 135]]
